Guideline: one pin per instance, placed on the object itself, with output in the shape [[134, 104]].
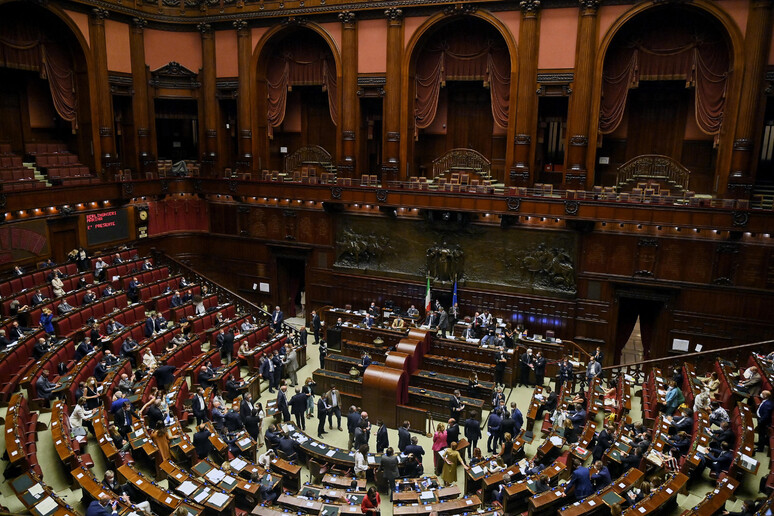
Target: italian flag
[[427, 296]]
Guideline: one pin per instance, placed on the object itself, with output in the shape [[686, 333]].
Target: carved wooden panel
[[726, 262], [645, 261]]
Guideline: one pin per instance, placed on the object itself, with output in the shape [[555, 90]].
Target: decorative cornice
[[743, 144], [371, 81], [139, 23], [347, 18], [589, 6], [555, 77], [204, 28], [348, 136], [293, 20], [460, 9], [522, 139], [647, 242], [579, 140], [174, 75]]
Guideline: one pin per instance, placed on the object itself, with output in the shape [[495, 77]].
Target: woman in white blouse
[[361, 463], [79, 418], [58, 286], [265, 460], [149, 360]]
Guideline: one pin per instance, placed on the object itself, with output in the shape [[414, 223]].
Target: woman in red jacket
[[371, 501]]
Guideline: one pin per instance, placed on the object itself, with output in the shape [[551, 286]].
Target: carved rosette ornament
[[336, 192], [579, 140], [513, 203], [529, 8], [347, 18], [571, 207], [740, 218], [381, 195], [522, 139]]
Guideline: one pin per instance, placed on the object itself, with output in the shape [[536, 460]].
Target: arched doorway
[[44, 84], [459, 94], [297, 92], [665, 78]]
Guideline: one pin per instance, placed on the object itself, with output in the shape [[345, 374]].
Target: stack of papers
[[238, 463], [187, 488], [215, 475], [218, 499]]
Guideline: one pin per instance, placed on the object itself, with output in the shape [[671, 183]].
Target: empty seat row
[[188, 309], [56, 160], [15, 363], [22, 451], [44, 148], [17, 174], [11, 161], [68, 171], [150, 276]]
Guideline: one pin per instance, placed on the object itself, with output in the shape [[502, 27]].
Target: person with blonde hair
[[452, 459], [439, 443]]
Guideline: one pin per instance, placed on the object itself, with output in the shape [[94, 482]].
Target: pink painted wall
[[257, 33], [334, 30], [511, 20], [558, 35], [226, 60], [410, 26], [372, 46], [737, 10], [117, 43], [82, 21], [607, 15], [161, 47]]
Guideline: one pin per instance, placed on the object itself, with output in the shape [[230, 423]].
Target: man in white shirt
[[334, 400]]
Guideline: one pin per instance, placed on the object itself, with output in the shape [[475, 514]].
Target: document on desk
[[556, 440], [47, 506], [215, 475], [36, 490], [219, 499], [187, 488], [330, 453], [371, 459], [244, 442], [203, 495], [238, 463], [476, 470], [426, 495]]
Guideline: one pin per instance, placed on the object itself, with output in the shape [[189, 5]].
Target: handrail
[[462, 158], [654, 166], [216, 288], [639, 370]]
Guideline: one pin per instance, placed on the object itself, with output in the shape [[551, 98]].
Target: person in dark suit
[[89, 297], [604, 441], [201, 442], [199, 406], [150, 325], [632, 460], [287, 446], [365, 361], [525, 366], [282, 403], [565, 373], [277, 317], [581, 481], [83, 349], [763, 413], [683, 422], [414, 449], [500, 361], [99, 507], [493, 426], [41, 348], [540, 368], [382, 439], [548, 404], [452, 431], [277, 361], [369, 321], [303, 336], [680, 444], [472, 431], [206, 374], [389, 469], [123, 418], [578, 416], [165, 376], [232, 387], [323, 353], [233, 421], [133, 290], [298, 407], [15, 333], [175, 300], [443, 323], [246, 405], [372, 310], [432, 320], [322, 413], [253, 423], [272, 437], [38, 298], [456, 407], [601, 477], [404, 437], [155, 415], [724, 434], [353, 420], [101, 370], [717, 461], [266, 368], [227, 347], [316, 326], [598, 355]]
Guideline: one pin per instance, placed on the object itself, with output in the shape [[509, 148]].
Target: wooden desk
[[161, 498], [38, 498], [660, 500], [516, 494], [342, 482], [715, 500], [193, 489], [460, 505]]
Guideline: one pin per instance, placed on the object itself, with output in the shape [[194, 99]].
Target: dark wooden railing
[[464, 160], [654, 167]]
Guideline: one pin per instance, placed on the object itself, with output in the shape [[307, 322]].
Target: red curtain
[[299, 63], [24, 47], [663, 48], [462, 55]]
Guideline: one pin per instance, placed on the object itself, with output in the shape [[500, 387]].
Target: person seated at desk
[[397, 323], [702, 401], [724, 434], [469, 334], [38, 298], [412, 312], [635, 495], [88, 298], [41, 348], [45, 387], [101, 370], [83, 349], [604, 440], [272, 437], [123, 491], [498, 492], [244, 350], [64, 308], [247, 326], [717, 461], [632, 460], [206, 375], [413, 468], [369, 321], [489, 338], [125, 384], [680, 444], [287, 446], [682, 422], [232, 386], [578, 417], [751, 382], [432, 320]]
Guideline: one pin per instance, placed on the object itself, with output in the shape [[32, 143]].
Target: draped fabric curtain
[[462, 56], [299, 64], [23, 47], [679, 52]]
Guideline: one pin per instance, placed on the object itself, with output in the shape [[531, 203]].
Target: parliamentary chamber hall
[[425, 190]]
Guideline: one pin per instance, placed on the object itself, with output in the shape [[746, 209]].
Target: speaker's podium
[[333, 338]]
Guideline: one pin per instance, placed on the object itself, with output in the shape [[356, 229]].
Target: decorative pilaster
[[579, 116], [392, 97], [210, 150], [244, 49], [144, 161], [756, 46], [107, 160], [349, 104], [526, 108]]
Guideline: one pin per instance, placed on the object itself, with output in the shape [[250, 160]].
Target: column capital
[[240, 26], [394, 15], [139, 24], [589, 6], [99, 14], [205, 28], [347, 18], [529, 8]]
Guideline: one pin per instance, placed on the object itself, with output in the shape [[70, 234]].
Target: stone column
[[210, 148], [392, 97], [349, 99], [106, 160], [145, 160], [244, 49]]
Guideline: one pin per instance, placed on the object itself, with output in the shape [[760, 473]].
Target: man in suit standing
[[581, 481], [291, 364], [323, 353], [382, 439], [525, 365], [334, 403], [500, 361], [123, 418], [298, 407], [199, 406], [353, 420], [246, 406], [277, 361], [201, 442], [267, 371], [443, 323], [282, 403], [452, 431], [456, 407], [540, 368], [227, 349], [316, 326], [322, 413], [277, 317], [404, 437], [764, 412], [593, 370], [218, 417], [133, 291], [414, 449], [472, 431], [150, 325], [206, 374], [389, 469]]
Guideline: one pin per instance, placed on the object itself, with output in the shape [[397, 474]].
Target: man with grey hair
[[298, 407]]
